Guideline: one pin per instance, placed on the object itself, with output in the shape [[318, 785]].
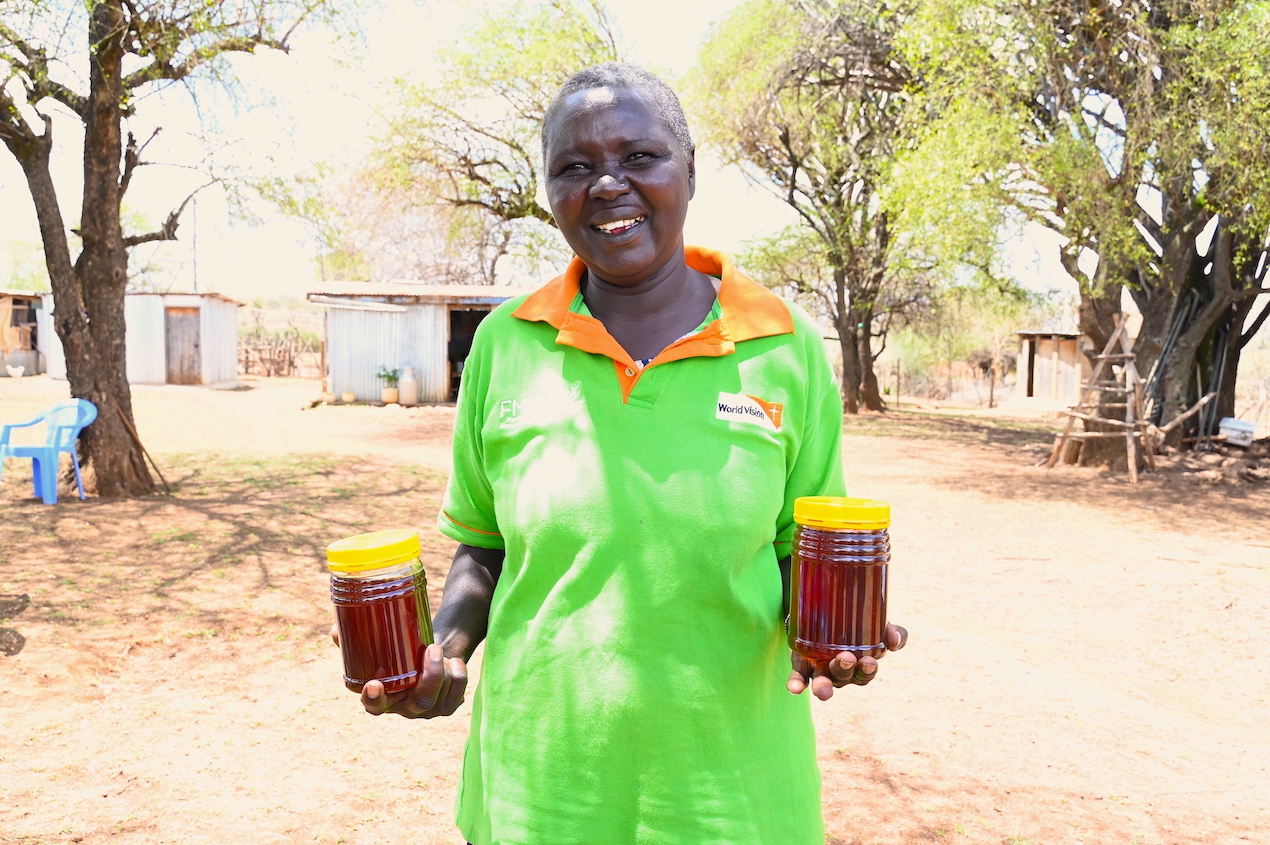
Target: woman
[[628, 445]]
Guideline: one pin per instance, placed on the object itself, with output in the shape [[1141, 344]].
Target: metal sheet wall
[[144, 339], [50, 344], [360, 340], [144, 318], [218, 325]]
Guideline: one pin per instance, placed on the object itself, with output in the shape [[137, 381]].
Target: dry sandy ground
[[1088, 660]]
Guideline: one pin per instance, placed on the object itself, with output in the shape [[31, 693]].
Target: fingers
[[440, 691], [823, 678], [433, 683], [801, 674], [817, 676], [847, 668], [896, 637], [374, 699], [458, 687], [821, 685], [335, 633]]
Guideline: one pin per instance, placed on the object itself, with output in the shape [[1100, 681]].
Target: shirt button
[[629, 372]]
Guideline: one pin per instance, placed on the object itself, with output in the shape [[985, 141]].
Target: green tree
[[460, 161], [794, 263], [813, 101], [1137, 131], [122, 50]]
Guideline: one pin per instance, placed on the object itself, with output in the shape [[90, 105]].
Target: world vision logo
[[738, 407]]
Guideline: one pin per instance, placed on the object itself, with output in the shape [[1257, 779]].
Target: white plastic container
[[408, 387], [1238, 432]]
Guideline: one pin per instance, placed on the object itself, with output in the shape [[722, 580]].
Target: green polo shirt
[[633, 684]]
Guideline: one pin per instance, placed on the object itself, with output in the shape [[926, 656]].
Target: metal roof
[[41, 293], [398, 291], [211, 295]]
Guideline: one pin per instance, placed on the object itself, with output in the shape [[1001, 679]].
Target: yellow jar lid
[[375, 550], [841, 512]]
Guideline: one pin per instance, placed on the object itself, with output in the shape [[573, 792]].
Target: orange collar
[[749, 309]]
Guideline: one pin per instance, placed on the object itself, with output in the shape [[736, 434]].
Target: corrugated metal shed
[[218, 320], [396, 325], [50, 344], [143, 322], [146, 321]]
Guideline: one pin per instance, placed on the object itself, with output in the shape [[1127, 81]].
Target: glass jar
[[380, 595], [838, 593]]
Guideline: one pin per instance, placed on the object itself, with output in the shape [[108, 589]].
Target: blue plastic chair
[[64, 420]]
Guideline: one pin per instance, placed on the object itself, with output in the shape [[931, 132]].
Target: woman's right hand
[[460, 625], [441, 689]]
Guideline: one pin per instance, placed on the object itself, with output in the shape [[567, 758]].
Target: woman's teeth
[[619, 226]]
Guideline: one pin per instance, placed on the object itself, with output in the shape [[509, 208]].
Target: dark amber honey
[[381, 607], [838, 600], [384, 628]]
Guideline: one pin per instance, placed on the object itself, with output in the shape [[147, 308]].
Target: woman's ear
[[692, 172]]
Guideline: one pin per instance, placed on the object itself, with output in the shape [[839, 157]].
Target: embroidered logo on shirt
[[549, 402], [739, 407]]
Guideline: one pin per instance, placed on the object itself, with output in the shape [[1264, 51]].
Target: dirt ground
[[1088, 660]]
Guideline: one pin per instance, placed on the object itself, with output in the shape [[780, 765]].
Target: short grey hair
[[625, 77]]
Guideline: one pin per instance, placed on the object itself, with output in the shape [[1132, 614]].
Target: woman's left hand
[[844, 669]]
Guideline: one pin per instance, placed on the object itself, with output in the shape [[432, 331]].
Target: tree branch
[[168, 231], [37, 82], [132, 160], [167, 69]]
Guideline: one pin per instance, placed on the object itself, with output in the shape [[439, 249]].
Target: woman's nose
[[608, 186]]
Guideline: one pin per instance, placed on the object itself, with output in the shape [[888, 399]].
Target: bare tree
[[93, 62]]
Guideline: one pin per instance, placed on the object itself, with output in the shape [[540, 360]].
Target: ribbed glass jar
[[841, 551], [380, 593]]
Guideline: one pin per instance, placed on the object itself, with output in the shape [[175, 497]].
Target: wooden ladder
[[1133, 427]]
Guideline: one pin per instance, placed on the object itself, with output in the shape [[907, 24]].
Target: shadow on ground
[[239, 544]]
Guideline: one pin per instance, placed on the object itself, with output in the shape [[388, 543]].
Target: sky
[[321, 106]]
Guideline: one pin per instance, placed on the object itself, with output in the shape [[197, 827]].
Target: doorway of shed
[[463, 323], [181, 342]]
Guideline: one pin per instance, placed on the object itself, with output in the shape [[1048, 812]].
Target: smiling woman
[[624, 531]]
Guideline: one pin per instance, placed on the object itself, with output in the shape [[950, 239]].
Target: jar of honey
[[838, 593], [380, 594]]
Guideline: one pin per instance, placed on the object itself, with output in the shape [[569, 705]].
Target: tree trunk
[[89, 299], [1225, 284], [850, 368], [869, 390], [844, 322], [1097, 314]]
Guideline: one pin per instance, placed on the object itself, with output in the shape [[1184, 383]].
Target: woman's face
[[618, 182]]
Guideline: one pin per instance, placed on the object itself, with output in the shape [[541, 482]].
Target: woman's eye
[[639, 158]]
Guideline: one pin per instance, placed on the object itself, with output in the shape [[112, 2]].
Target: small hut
[[172, 338], [1052, 366], [20, 333], [398, 325]]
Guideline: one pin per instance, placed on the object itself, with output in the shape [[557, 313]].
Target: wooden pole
[[1090, 387], [136, 438]]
